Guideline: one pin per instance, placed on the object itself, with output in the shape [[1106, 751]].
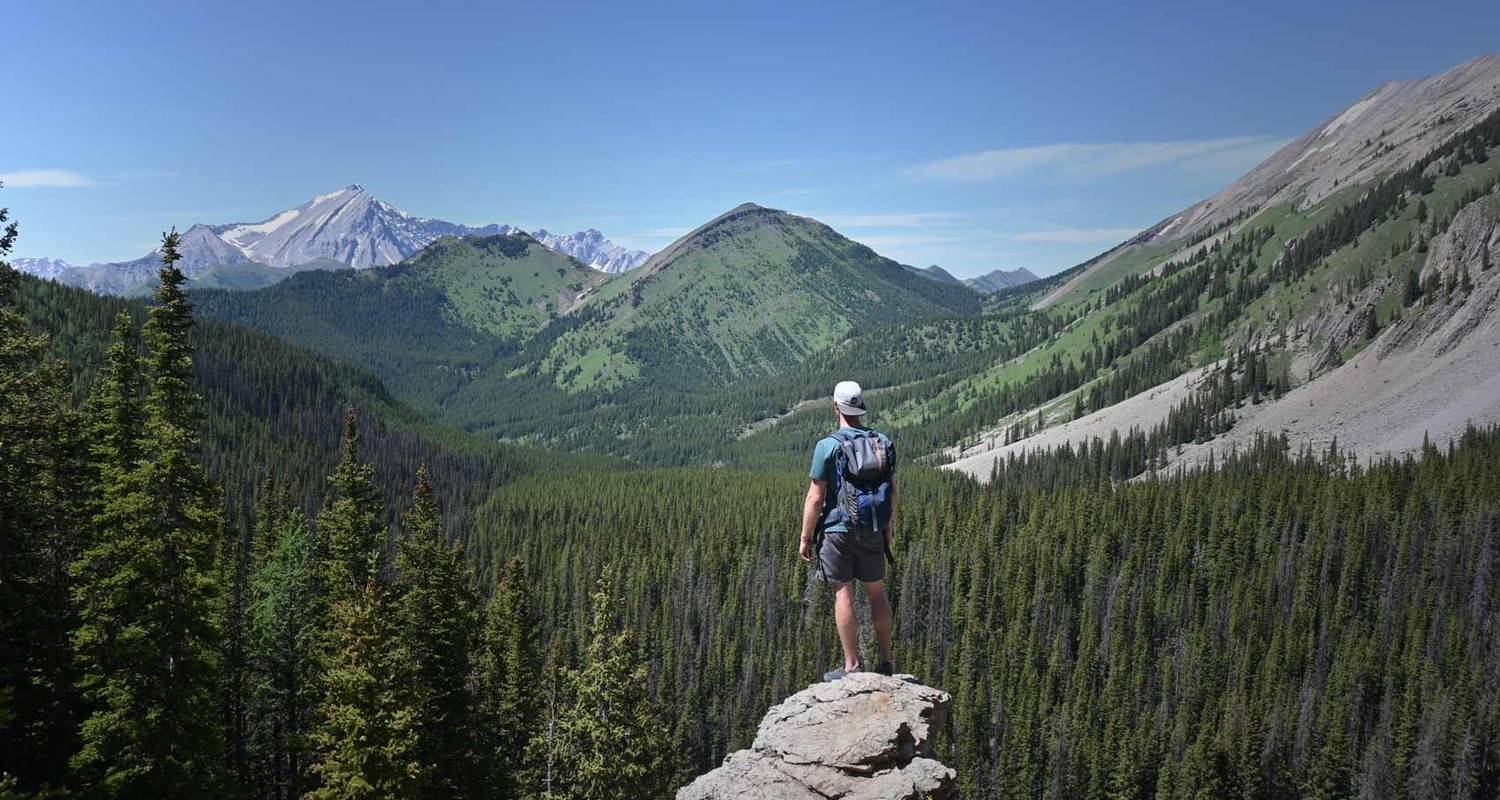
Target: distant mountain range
[[349, 227], [486, 330], [996, 280], [593, 249], [987, 283]]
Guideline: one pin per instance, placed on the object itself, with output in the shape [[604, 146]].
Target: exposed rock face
[[865, 737]]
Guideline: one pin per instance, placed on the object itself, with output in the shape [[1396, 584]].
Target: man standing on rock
[[847, 522]]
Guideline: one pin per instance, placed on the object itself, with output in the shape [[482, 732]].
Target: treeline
[[272, 407], [155, 649], [1386, 198], [1282, 626]]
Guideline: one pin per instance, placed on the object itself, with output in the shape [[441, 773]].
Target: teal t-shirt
[[824, 462]]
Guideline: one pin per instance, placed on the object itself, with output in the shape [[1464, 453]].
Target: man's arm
[[812, 513], [890, 524]]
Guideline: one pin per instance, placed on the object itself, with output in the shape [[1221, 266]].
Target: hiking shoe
[[884, 668], [833, 675]]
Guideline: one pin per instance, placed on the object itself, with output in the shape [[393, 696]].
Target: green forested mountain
[[271, 409], [426, 326], [745, 295], [489, 333]]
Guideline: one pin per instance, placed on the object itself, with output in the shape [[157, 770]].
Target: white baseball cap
[[849, 398]]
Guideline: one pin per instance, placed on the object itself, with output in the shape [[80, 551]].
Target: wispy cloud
[[899, 240], [1100, 159], [45, 178], [664, 233], [916, 219], [1077, 235]]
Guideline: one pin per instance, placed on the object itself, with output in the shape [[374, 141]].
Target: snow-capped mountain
[[593, 249], [41, 267], [349, 226]]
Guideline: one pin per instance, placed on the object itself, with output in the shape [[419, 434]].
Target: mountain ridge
[[997, 279], [349, 226]]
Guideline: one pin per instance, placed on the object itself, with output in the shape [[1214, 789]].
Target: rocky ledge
[[864, 737]]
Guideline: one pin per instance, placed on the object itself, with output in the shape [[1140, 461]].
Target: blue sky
[[976, 136]]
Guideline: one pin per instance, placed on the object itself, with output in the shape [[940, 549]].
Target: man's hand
[[806, 550], [890, 533]]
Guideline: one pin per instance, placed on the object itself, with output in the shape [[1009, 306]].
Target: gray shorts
[[857, 555]]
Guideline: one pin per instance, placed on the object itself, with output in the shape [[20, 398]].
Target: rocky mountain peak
[[863, 737]]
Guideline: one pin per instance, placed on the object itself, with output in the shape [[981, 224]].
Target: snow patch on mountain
[[349, 226], [593, 249]]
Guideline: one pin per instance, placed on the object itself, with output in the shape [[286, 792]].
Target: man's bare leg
[[880, 617], [848, 623]]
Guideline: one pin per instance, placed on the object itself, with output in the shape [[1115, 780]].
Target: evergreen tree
[[1413, 288], [282, 642], [115, 406], [147, 642], [40, 509], [438, 624], [508, 704], [366, 733], [609, 740], [350, 534]]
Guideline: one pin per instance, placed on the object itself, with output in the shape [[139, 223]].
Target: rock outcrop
[[864, 737]]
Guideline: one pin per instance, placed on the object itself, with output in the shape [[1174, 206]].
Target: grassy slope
[[1368, 261], [424, 326], [746, 295]]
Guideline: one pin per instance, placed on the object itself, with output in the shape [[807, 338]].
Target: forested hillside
[[1281, 626], [273, 409]]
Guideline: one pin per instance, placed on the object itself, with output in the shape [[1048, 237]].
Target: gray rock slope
[[995, 280], [864, 737], [1380, 133]]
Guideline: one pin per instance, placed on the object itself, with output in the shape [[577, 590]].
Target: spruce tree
[[350, 534], [437, 619], [1412, 290], [40, 511], [148, 642], [282, 632], [609, 741], [366, 732], [508, 704], [115, 406]]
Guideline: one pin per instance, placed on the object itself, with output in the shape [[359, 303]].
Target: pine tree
[[282, 629], [40, 512], [148, 642], [366, 733], [351, 537], [437, 619], [115, 406], [609, 741], [507, 674], [1413, 288]]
